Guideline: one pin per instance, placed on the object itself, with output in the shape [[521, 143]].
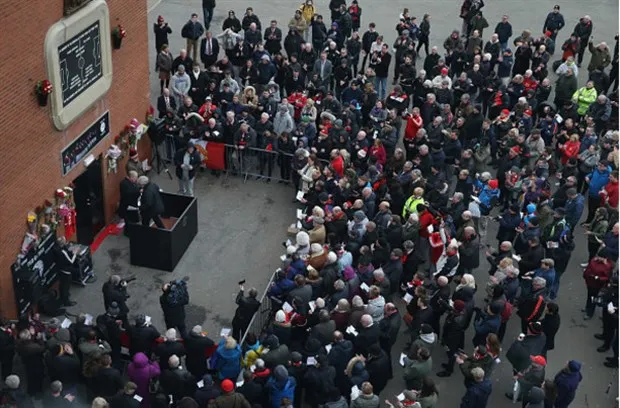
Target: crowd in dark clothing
[[391, 229]]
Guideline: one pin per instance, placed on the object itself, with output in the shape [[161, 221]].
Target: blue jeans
[[381, 83], [208, 15], [503, 45], [555, 287]]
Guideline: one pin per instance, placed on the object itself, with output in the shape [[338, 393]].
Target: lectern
[[162, 249]]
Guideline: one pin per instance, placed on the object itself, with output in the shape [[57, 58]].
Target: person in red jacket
[[609, 194], [596, 276], [337, 162], [378, 151], [414, 123], [570, 149]]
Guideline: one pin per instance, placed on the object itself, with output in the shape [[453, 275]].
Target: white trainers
[[583, 264]]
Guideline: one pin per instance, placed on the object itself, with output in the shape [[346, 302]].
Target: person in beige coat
[[318, 232]]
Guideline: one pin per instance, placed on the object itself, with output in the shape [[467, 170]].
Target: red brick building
[[30, 168]]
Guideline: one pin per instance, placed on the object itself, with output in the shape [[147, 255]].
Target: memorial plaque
[[80, 147], [80, 62]]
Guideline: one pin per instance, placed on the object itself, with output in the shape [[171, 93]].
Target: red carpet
[[113, 229]]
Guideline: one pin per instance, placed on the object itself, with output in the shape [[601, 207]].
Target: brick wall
[[30, 168]]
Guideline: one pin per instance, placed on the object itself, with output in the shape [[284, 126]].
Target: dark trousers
[[265, 159], [238, 329], [64, 287], [34, 378], [363, 63], [590, 305], [593, 248], [179, 326], [593, 204], [610, 327], [146, 220], [285, 168], [502, 331], [451, 360], [582, 50], [423, 41]]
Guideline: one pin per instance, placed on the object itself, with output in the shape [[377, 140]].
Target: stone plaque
[[78, 55]]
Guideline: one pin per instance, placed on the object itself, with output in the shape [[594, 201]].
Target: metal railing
[[247, 162], [262, 317]]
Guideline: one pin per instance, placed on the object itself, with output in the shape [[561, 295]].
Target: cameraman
[[115, 290], [247, 307]]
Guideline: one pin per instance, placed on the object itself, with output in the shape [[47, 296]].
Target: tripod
[[156, 133], [157, 158]]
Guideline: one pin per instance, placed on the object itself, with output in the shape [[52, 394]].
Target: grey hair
[[357, 301], [171, 335], [477, 373], [173, 361], [12, 381], [539, 282], [143, 181]]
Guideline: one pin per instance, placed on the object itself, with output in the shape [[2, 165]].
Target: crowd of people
[[392, 229]]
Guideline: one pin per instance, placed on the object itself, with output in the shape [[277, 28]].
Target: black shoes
[[70, 303], [611, 362], [444, 374], [599, 336], [602, 349]]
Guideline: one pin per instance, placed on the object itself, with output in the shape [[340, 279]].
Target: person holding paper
[[199, 348]]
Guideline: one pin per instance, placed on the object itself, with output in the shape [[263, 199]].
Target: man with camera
[[247, 306], [115, 290]]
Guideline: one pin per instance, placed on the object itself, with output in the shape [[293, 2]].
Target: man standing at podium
[[150, 203], [128, 205]]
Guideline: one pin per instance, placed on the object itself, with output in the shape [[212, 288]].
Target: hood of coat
[[140, 360]]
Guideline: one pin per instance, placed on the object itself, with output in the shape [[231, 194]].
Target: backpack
[[178, 296]]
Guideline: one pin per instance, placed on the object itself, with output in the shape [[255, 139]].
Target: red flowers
[[43, 87], [119, 32]]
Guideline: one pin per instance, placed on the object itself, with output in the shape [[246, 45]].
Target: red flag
[[215, 154]]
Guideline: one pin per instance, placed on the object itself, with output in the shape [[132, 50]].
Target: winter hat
[[290, 250], [348, 273], [271, 342], [280, 373], [296, 357], [459, 305], [444, 71], [265, 58], [160, 18], [331, 257], [323, 197], [359, 215], [280, 316], [505, 112], [227, 385], [493, 184], [207, 380], [302, 238], [338, 123], [426, 329], [12, 381], [540, 360], [335, 24], [528, 112], [315, 248], [531, 207], [574, 366], [133, 153], [496, 308]]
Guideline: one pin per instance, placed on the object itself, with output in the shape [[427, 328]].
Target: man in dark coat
[[108, 380], [142, 336], [129, 193], [339, 355], [170, 346], [273, 38], [368, 335], [469, 251], [453, 337], [379, 368], [125, 398], [198, 346], [199, 82], [532, 305], [187, 162], [554, 22], [63, 365], [246, 307], [209, 50], [150, 203]]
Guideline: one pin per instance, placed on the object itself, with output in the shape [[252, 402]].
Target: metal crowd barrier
[[262, 317]]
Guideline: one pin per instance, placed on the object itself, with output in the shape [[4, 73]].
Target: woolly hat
[[459, 305], [296, 357], [535, 396], [540, 360], [227, 385], [316, 248], [331, 257], [280, 316], [505, 112], [280, 373], [531, 207], [426, 329], [272, 342], [12, 381], [302, 238], [574, 366], [493, 184], [444, 71]]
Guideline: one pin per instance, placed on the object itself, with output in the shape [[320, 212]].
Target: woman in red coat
[[414, 123], [596, 276], [378, 151], [570, 149]]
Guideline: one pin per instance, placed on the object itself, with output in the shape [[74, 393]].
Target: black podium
[[162, 249]]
